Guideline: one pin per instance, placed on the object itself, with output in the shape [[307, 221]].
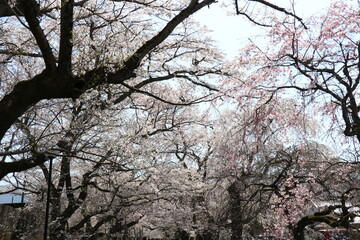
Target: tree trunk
[[298, 233], [235, 212]]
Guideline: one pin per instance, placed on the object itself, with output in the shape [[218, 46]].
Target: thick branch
[[134, 61], [66, 29], [7, 11], [21, 165], [321, 217], [30, 13]]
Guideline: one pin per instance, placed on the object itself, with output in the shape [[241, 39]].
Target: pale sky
[[232, 32]]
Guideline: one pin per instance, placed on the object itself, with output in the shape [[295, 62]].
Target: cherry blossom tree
[[273, 183], [317, 65], [56, 50], [250, 162], [108, 177], [320, 62], [324, 180]]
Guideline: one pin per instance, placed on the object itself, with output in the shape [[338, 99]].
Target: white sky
[[232, 32]]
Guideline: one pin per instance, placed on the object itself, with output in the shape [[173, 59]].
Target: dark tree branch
[[22, 165], [179, 74], [280, 9], [134, 61], [325, 217], [252, 20], [66, 29], [18, 9], [30, 12], [7, 11]]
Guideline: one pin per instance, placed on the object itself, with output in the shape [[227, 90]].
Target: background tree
[[251, 160], [320, 62], [275, 183], [113, 165]]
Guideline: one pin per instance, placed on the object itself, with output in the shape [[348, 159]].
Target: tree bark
[[235, 212]]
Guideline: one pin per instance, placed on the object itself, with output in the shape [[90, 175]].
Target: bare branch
[[280, 9]]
